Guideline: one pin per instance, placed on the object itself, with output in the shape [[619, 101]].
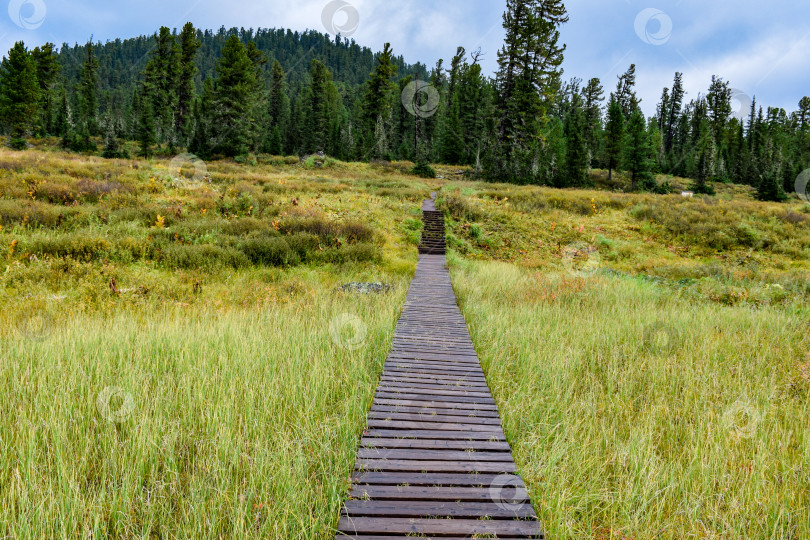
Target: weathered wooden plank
[[434, 460], [433, 455], [434, 493], [434, 444], [404, 526], [454, 509], [393, 465]]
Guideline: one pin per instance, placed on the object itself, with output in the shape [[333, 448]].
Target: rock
[[365, 288]]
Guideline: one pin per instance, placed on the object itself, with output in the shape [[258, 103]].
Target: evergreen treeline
[[237, 92]]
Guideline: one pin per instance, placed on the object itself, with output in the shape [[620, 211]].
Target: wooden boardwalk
[[434, 461]]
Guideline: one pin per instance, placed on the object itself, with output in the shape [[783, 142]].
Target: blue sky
[[760, 47]]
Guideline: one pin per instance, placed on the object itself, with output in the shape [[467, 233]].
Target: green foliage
[[576, 156], [19, 92], [614, 135], [638, 155], [522, 127], [423, 170], [235, 100], [321, 102]]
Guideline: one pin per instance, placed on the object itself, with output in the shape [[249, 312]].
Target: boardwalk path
[[434, 459]]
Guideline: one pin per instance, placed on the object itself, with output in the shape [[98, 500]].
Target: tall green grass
[[190, 422], [635, 412]]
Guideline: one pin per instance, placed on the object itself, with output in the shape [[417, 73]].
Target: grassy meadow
[[179, 362], [650, 355]]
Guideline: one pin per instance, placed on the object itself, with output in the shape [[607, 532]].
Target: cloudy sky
[[760, 47]]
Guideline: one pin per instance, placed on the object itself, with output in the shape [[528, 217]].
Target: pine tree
[[638, 160], [770, 189], [189, 45], [162, 75], [704, 148], [452, 138], [19, 94], [377, 99], [147, 132], [674, 112], [202, 142], [235, 100], [278, 110], [112, 143], [625, 92], [320, 106], [594, 95], [529, 72], [614, 136], [88, 98], [576, 156], [48, 68]]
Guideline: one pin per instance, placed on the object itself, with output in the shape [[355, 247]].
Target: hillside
[[183, 321], [122, 61]]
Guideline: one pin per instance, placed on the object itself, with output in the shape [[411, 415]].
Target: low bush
[[202, 256], [270, 251]]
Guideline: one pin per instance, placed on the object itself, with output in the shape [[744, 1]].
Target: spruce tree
[[19, 94], [614, 136]]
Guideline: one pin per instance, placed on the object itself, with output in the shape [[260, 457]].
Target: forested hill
[[121, 62]]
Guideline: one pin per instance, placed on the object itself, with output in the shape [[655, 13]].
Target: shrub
[[303, 244], [269, 251], [16, 143], [356, 232], [74, 245], [245, 226], [459, 208], [207, 256], [423, 170], [356, 253]]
